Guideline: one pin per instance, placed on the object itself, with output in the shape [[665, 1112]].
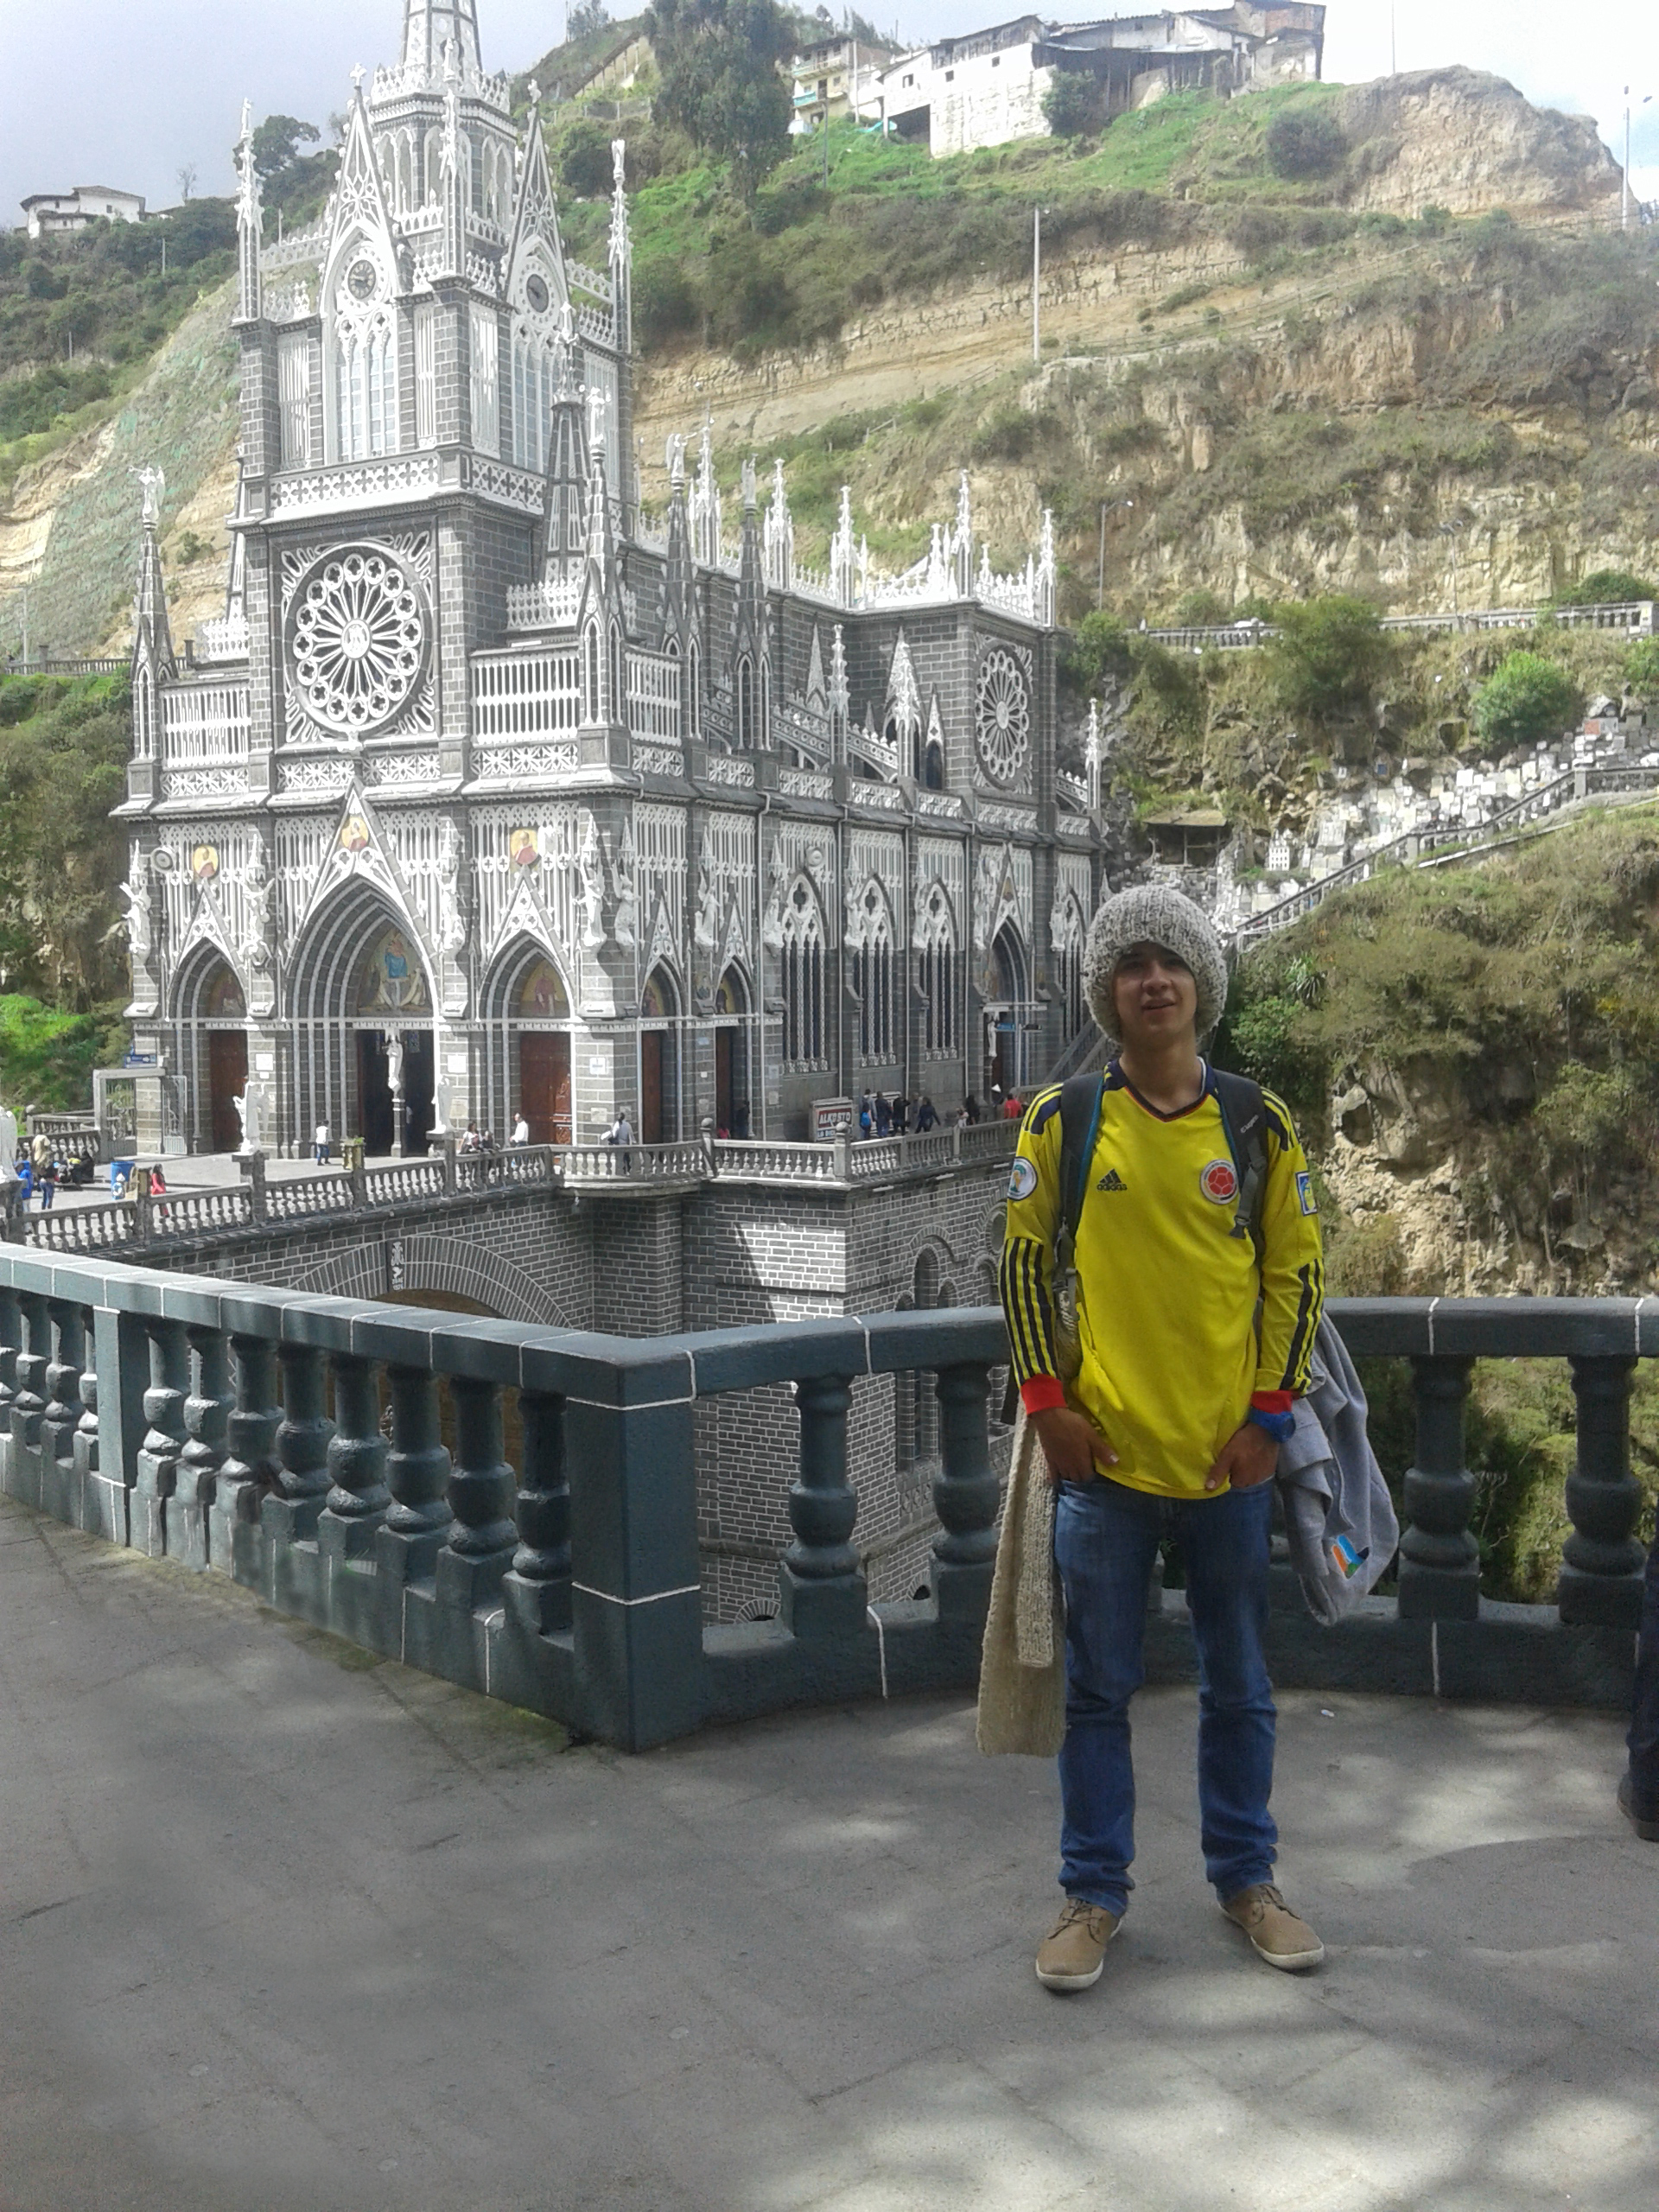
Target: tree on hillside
[[277, 141], [1605, 588], [1328, 654], [1526, 698], [586, 19], [722, 63]]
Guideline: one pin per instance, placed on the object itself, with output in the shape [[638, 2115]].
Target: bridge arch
[[454, 1265]]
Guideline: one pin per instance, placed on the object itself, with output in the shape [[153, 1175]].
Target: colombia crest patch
[[1219, 1182], [1022, 1179]]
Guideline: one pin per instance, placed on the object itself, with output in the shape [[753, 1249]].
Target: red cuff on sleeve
[[1042, 1394], [1272, 1401]]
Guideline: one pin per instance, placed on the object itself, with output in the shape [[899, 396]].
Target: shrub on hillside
[[1327, 656], [47, 1054], [1201, 610], [1642, 668], [1100, 653], [1304, 141], [1525, 699], [585, 160], [1074, 106]]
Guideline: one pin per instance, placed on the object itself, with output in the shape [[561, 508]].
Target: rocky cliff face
[[1465, 141]]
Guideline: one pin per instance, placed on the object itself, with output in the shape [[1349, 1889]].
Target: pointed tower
[[706, 517], [1043, 591], [599, 617], [250, 221], [429, 26], [750, 656], [453, 155], [961, 541], [843, 553], [840, 698], [152, 639], [780, 536], [236, 583], [621, 262], [678, 604], [568, 472]]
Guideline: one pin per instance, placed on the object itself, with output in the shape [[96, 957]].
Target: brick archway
[[444, 1263]]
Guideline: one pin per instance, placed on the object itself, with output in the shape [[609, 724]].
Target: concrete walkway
[[282, 1927]]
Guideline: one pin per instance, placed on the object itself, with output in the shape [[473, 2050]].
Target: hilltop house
[[49, 213], [988, 87], [836, 77]]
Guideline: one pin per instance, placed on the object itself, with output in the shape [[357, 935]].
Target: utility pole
[[1036, 285], [1393, 43]]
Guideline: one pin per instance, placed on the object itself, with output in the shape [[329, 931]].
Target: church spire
[[250, 223], [431, 25], [152, 639], [567, 467]]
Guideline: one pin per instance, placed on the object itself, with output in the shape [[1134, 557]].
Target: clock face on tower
[[537, 292], [357, 636], [362, 280]]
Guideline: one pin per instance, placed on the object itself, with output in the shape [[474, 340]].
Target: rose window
[[1002, 715], [358, 639]]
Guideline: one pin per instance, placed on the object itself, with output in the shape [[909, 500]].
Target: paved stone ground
[[282, 1927]]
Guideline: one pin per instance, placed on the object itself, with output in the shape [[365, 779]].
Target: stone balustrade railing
[[1636, 616], [190, 1419], [265, 1203]]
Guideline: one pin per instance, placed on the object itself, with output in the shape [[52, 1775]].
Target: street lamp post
[[1036, 283], [1449, 530], [1107, 507]]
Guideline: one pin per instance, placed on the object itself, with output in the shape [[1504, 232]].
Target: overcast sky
[[127, 91]]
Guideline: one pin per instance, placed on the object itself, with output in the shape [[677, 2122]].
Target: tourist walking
[[883, 1115], [520, 1131], [321, 1145], [1639, 1788], [926, 1118], [620, 1134], [866, 1116], [900, 1115], [1159, 1410]]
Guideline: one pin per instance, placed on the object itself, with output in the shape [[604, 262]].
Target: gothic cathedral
[[493, 794]]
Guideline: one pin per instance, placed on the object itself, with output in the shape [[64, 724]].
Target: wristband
[[1280, 1426]]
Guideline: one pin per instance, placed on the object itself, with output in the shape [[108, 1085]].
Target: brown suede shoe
[[1276, 1933], [1073, 1952]]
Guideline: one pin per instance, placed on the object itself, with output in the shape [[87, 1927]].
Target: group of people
[[882, 1116], [36, 1169]]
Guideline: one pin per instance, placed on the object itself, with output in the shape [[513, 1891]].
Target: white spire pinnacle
[[431, 25]]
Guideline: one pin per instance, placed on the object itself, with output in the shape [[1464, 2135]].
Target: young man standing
[[1172, 1427]]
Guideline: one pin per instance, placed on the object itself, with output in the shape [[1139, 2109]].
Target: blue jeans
[[1106, 1536]]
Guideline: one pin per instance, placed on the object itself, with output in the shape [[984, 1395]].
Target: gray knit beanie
[[1154, 915]]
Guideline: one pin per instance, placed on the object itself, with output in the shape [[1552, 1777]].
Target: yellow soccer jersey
[[1167, 1295]]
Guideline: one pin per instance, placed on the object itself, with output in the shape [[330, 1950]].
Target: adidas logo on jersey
[[1111, 1181]]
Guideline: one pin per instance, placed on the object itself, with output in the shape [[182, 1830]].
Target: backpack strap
[[1244, 1118], [1080, 1103]]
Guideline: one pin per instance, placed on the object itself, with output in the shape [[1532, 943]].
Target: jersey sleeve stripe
[[1297, 1365], [1025, 1305]]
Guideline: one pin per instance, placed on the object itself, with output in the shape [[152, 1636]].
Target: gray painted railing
[[1635, 616], [186, 1217], [189, 1419]]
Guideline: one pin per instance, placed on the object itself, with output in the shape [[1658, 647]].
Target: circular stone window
[[1001, 716], [537, 292], [357, 639], [362, 280]]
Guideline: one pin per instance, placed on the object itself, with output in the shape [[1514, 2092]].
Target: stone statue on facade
[[771, 922], [590, 872], [140, 939], [622, 884], [454, 927], [987, 878], [706, 929], [259, 888]]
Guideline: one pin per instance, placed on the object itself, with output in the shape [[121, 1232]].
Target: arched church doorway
[[222, 1005], [543, 1054], [394, 1061], [362, 1028], [1006, 1015], [732, 1056], [658, 1117]]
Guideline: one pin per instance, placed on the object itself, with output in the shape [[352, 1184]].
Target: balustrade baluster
[[536, 1587], [206, 1419], [357, 1463], [823, 1589], [249, 1471], [12, 1342], [292, 1510], [966, 1494], [1602, 1563], [164, 1444], [417, 1474], [84, 1449], [481, 1536], [62, 1415], [1440, 1560]]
